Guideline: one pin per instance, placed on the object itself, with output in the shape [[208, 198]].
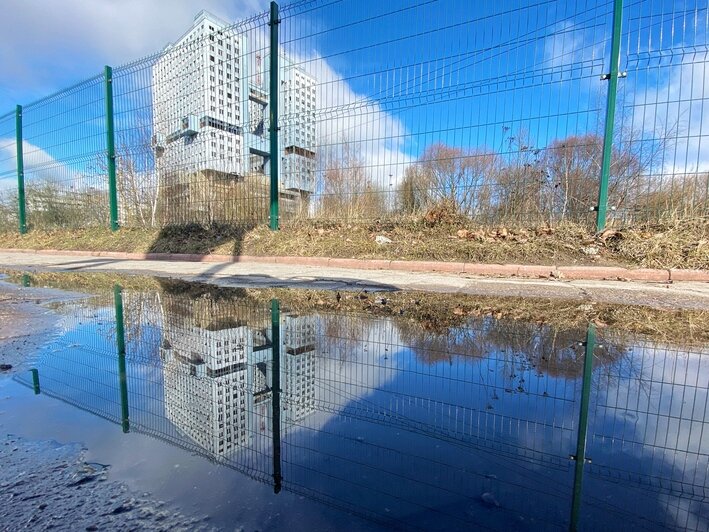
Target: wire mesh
[[8, 173], [186, 119], [494, 112], [661, 166], [421, 105], [64, 139]]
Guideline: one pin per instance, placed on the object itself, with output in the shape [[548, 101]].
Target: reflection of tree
[[344, 337], [141, 318], [212, 307], [547, 349]]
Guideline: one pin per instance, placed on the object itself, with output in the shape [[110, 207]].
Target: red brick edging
[[491, 270]]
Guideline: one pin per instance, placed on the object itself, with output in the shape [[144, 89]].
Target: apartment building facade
[[210, 115]]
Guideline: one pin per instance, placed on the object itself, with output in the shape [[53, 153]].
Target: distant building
[[210, 118]]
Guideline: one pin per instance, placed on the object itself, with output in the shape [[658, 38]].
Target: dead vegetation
[[436, 236], [431, 313]]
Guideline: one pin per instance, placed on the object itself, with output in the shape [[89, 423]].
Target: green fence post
[[121, 349], [35, 381], [21, 207], [580, 456], [26, 280], [111, 149], [274, 93], [612, 78], [276, 392]]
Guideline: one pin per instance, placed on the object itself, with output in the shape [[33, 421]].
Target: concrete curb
[[527, 271]]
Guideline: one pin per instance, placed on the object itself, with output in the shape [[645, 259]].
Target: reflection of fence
[[655, 411], [371, 415], [381, 112]]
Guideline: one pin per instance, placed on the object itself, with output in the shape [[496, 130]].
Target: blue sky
[[394, 77]]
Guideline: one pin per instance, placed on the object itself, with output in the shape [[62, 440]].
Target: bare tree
[[138, 181], [347, 189], [519, 187], [449, 174]]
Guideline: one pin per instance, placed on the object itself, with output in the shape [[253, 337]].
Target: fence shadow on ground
[[198, 239]]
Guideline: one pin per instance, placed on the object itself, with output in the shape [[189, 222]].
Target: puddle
[[314, 410]]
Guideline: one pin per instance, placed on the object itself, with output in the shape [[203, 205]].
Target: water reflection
[[409, 423]]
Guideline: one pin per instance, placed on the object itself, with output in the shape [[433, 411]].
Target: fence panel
[[661, 167], [646, 430], [488, 111], [494, 112], [8, 174], [64, 154], [185, 122]]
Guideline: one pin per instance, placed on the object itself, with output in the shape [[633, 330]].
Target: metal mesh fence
[[660, 167], [64, 139], [183, 127], [496, 112], [8, 174], [449, 106]]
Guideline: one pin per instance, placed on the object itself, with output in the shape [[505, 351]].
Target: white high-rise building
[[297, 108], [199, 85], [210, 115]]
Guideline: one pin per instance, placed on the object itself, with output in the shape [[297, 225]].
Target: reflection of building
[[218, 372], [210, 118], [206, 385], [298, 363]]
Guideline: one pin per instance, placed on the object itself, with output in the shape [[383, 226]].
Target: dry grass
[[673, 245], [670, 245], [94, 283]]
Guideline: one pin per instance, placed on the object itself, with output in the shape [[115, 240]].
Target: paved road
[[678, 295]]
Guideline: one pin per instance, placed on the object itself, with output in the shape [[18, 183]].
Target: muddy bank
[[47, 485], [25, 323]]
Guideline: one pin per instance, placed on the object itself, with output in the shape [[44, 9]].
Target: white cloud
[[39, 165], [79, 38], [345, 115], [677, 106], [572, 46], [40, 39]]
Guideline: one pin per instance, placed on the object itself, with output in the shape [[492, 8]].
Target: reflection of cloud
[[664, 436], [353, 359]]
